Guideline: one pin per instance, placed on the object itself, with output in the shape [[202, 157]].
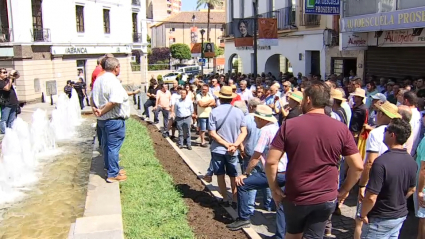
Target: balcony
[[6, 35], [285, 20], [135, 2], [137, 37], [41, 35], [363, 7], [310, 20]]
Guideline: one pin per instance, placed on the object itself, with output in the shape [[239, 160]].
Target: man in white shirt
[[172, 123], [111, 107], [244, 92], [375, 146], [410, 100]]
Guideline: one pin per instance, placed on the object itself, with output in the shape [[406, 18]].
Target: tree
[[218, 50], [148, 39], [210, 4], [180, 51]]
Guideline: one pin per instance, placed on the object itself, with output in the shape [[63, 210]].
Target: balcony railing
[[285, 20], [137, 37], [41, 35], [6, 35], [135, 2], [309, 20]]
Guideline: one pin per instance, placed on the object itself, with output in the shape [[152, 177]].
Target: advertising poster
[[244, 32], [322, 7], [209, 50], [267, 32]]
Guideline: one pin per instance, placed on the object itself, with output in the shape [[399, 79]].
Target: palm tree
[[210, 4]]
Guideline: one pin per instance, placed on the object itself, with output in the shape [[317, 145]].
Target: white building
[[302, 38], [50, 41]]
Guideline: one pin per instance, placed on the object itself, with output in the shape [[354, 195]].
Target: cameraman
[[8, 99]]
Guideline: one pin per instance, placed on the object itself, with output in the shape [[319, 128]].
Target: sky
[[188, 5]]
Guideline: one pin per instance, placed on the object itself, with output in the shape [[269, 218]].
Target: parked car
[[170, 77], [189, 70]]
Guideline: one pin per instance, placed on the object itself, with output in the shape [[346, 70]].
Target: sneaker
[[119, 178], [329, 235], [180, 146], [239, 224], [164, 135], [189, 147], [204, 145]]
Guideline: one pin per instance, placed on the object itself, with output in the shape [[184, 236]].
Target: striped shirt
[[109, 89], [265, 139]]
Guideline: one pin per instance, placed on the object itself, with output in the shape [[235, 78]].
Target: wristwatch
[[246, 174], [361, 186]]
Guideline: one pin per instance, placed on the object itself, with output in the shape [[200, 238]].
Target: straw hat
[[337, 95], [233, 87], [359, 92], [225, 93], [264, 112], [388, 109], [297, 96]]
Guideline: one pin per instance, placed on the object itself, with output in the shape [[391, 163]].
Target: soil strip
[[206, 217]]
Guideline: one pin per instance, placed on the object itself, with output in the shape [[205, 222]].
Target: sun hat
[[359, 92], [297, 96], [379, 96], [225, 93], [390, 110], [264, 112], [337, 95], [233, 87]]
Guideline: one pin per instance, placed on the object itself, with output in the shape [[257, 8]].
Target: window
[[79, 10], [106, 21]]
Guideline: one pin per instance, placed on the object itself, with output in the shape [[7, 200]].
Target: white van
[[189, 70]]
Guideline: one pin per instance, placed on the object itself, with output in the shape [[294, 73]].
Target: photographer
[[8, 99]]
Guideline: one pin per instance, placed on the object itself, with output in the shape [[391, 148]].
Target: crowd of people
[[305, 142]]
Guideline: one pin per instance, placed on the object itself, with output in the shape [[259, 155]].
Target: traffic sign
[[202, 61]]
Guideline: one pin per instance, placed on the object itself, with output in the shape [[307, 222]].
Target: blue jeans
[[99, 134], [113, 134], [266, 192], [183, 124], [8, 115], [165, 115], [382, 228], [146, 106], [280, 222], [255, 181]]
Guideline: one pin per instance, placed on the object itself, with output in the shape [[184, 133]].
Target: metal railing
[[135, 2], [6, 35], [309, 20], [137, 37], [41, 35]]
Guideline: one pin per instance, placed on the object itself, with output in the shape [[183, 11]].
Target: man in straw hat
[[392, 180], [336, 99], [360, 111], [293, 108], [249, 181], [228, 130], [375, 146], [309, 199]]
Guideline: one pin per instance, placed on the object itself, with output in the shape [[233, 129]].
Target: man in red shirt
[[96, 72], [311, 188], [237, 98]]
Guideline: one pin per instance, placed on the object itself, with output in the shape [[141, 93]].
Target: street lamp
[[202, 51], [255, 5]]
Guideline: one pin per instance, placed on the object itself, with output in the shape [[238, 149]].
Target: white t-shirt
[[375, 141], [415, 123], [174, 98]]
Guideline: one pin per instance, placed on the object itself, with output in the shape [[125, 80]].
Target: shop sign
[[353, 41], [410, 37], [384, 21], [58, 50], [322, 7], [252, 48]]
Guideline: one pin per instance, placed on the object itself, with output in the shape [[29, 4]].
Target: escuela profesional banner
[[267, 32], [243, 29], [322, 7]]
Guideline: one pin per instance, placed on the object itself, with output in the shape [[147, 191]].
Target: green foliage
[[236, 64], [159, 77], [149, 41], [218, 50], [208, 3], [180, 51], [151, 205]]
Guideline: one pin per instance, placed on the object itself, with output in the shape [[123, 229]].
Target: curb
[[251, 233]]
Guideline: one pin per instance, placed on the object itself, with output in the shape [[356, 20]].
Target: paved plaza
[[263, 221]]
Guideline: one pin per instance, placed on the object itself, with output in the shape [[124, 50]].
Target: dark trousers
[[81, 98], [146, 106]]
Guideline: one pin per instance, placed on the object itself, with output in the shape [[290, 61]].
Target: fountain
[[21, 145]]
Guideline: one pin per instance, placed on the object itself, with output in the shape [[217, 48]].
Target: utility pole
[[202, 51], [255, 3]]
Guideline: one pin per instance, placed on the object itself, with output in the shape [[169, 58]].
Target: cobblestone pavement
[[264, 222]]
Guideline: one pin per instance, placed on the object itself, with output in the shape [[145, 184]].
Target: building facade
[[385, 37], [50, 42], [158, 10], [302, 38]]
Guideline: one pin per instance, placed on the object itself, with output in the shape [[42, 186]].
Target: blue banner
[[322, 7]]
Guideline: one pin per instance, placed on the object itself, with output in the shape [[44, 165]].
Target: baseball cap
[[379, 96]]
